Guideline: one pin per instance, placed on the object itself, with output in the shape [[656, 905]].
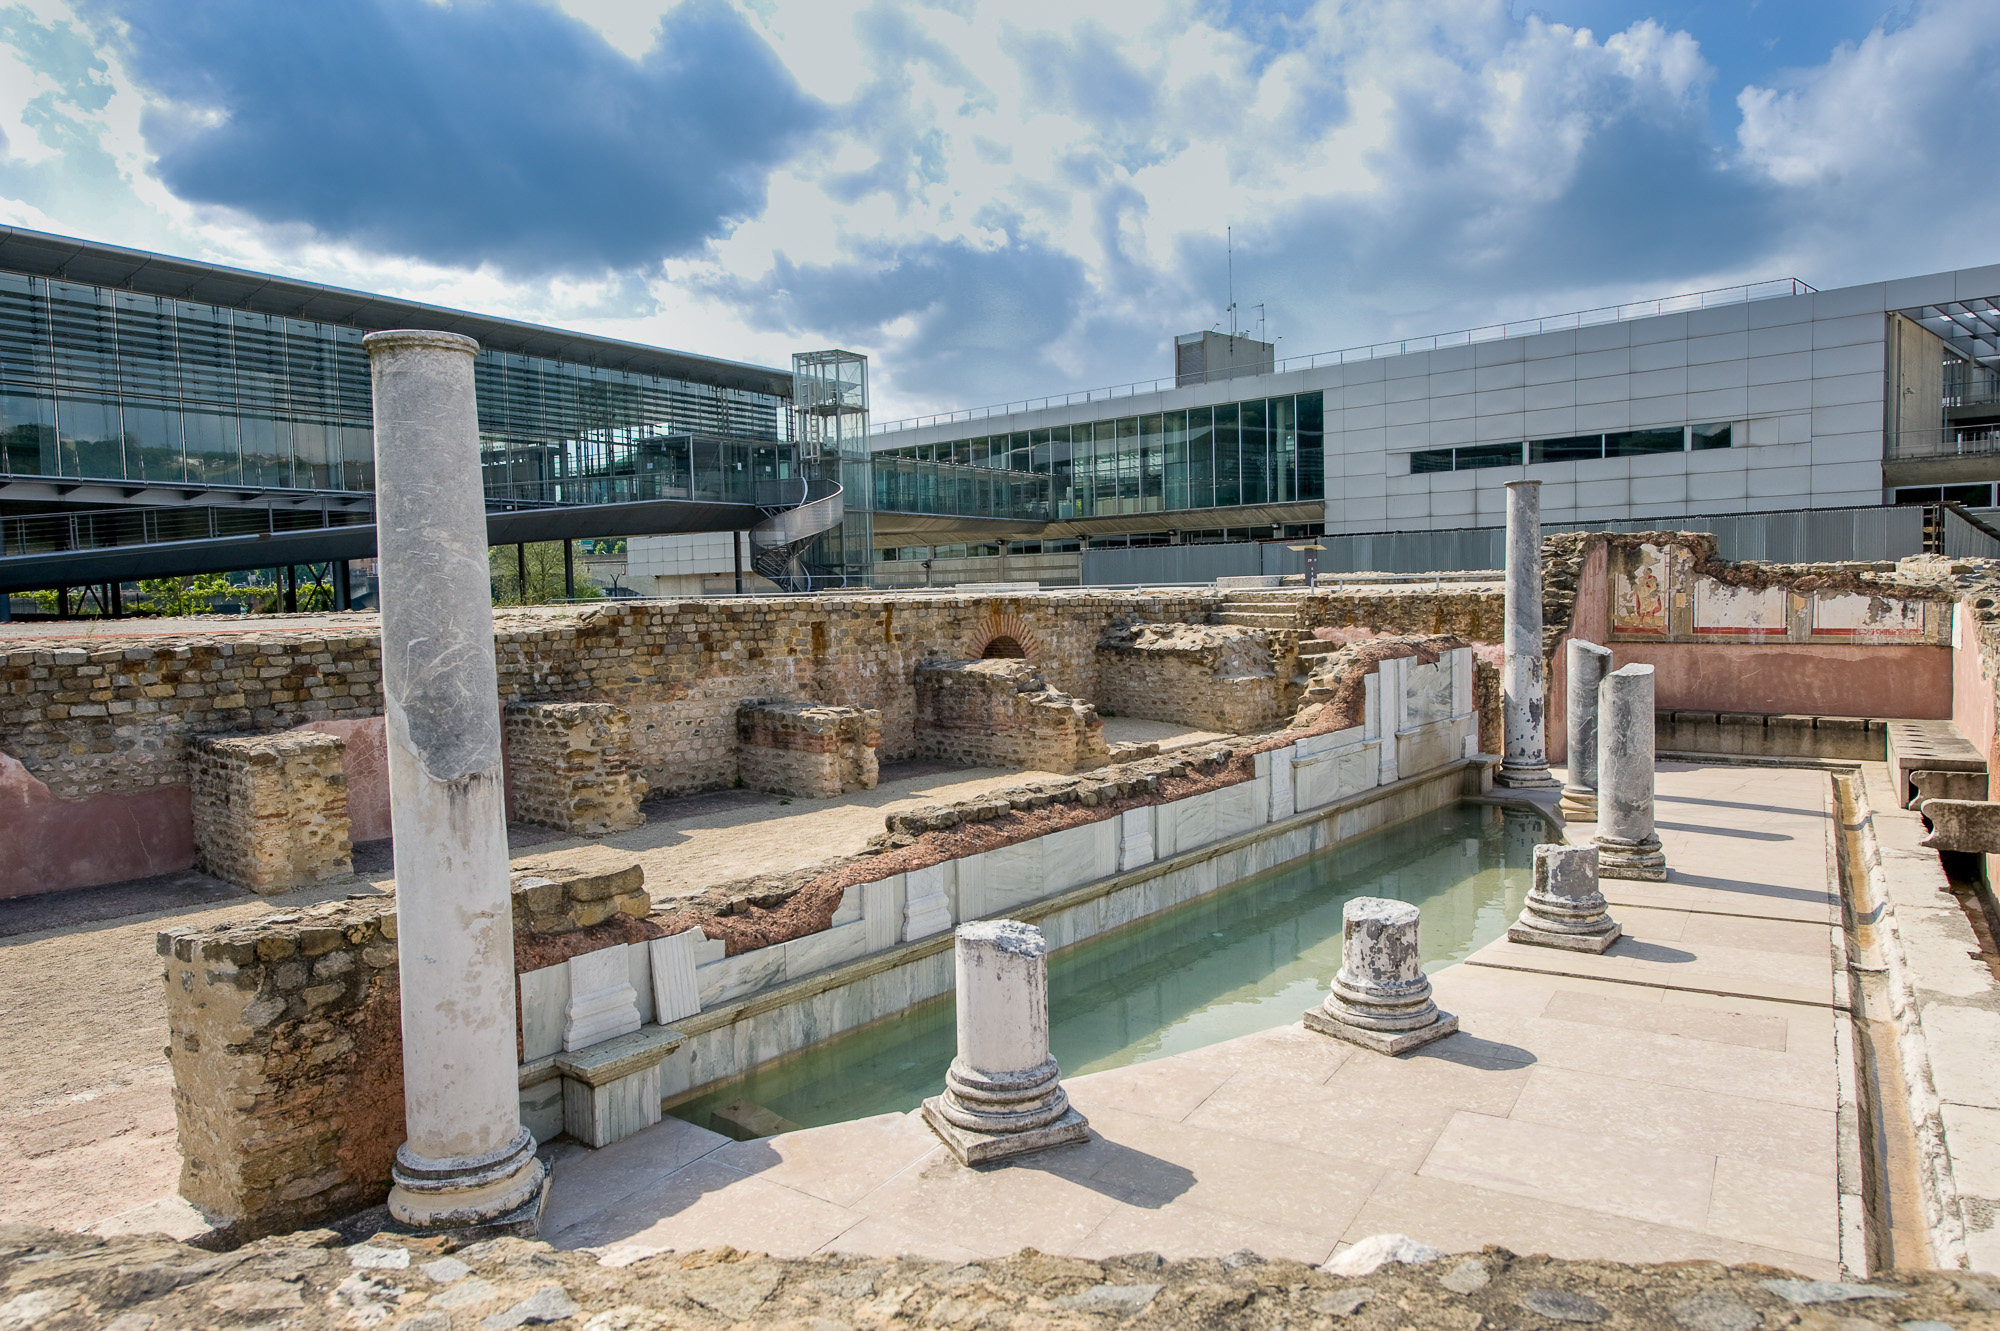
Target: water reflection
[[1244, 960]]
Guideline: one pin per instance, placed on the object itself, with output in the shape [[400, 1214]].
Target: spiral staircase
[[796, 511]]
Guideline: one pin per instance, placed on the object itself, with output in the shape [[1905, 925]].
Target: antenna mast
[[1229, 241]]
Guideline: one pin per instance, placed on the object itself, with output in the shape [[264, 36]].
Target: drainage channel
[[1896, 1233]]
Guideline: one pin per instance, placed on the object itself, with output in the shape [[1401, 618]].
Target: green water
[[1241, 960]]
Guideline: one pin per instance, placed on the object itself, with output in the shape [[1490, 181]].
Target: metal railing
[[1603, 314], [1950, 442], [105, 528]]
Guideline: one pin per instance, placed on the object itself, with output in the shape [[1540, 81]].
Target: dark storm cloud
[[500, 131]]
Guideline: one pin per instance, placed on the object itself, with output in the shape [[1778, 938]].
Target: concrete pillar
[[1585, 668], [1564, 908], [1524, 759], [1627, 845], [1381, 998], [1003, 1094], [467, 1160]]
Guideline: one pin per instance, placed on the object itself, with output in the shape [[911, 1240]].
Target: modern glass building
[[178, 382]]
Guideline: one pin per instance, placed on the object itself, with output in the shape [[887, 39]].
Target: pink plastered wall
[[366, 760], [50, 844], [1797, 678]]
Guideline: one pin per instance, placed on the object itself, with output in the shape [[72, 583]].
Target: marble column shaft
[[1524, 759], [1003, 1093], [1565, 909], [1627, 843], [467, 1160], [1584, 669], [1381, 998]]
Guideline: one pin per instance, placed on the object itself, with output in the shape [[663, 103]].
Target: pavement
[[1673, 1099]]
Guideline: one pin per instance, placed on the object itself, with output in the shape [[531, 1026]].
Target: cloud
[[499, 132]]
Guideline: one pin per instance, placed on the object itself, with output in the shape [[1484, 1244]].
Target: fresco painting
[[1738, 614]]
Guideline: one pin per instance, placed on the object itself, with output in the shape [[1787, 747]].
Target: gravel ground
[[307, 1281]]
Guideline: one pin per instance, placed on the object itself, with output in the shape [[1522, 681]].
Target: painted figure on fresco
[[1639, 595]]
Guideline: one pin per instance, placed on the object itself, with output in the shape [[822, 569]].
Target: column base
[[1641, 860], [504, 1188], [1524, 778], [1579, 803], [1382, 1042], [1521, 931], [978, 1148]]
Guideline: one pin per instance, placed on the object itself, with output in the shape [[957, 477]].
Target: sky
[[995, 201]]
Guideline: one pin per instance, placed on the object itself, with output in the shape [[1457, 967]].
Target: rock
[[445, 1270], [1378, 1250], [547, 1304], [1345, 1303], [475, 1290], [1468, 1277], [1825, 1291], [26, 1311], [367, 1257], [258, 1296], [1564, 1306], [1714, 1310], [1125, 1300]]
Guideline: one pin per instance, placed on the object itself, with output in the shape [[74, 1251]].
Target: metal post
[[468, 1160], [569, 569], [343, 585], [736, 549], [62, 603], [291, 589], [117, 598], [521, 569]]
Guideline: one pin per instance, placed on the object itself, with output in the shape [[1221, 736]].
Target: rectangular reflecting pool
[[1248, 958]]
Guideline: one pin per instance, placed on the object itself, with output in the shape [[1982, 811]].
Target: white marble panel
[[544, 995], [926, 909], [882, 906], [1462, 681], [1423, 748], [1371, 707], [1283, 799], [1427, 692], [1337, 775], [829, 947], [676, 992], [965, 887], [602, 1002], [732, 977], [1242, 807], [1135, 837], [639, 967], [850, 907], [1013, 876], [1194, 821], [1312, 746], [600, 1115], [1078, 855]]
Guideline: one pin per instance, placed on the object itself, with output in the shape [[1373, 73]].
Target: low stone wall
[[285, 1041], [270, 811], [571, 766], [1004, 714], [1208, 676], [807, 749]]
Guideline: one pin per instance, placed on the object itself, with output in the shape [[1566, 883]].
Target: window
[[1573, 448], [1709, 436], [1635, 443], [1972, 496], [1486, 455], [1431, 459]]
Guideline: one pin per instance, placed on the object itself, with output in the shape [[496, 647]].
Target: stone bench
[[1769, 735], [1932, 760]]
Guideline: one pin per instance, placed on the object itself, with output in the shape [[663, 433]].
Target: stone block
[[807, 750], [1003, 713], [676, 994], [1135, 838], [544, 1000], [1947, 786], [1209, 676], [571, 766], [825, 949], [1966, 826], [927, 911], [542, 1107], [612, 1089], [602, 1003], [882, 909], [270, 811]]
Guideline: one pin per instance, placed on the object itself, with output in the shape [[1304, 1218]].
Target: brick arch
[[1010, 626]]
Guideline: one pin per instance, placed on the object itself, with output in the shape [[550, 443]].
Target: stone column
[[1564, 908], [1627, 845], [1381, 998], [1524, 759], [1003, 1094], [1584, 671], [467, 1160]]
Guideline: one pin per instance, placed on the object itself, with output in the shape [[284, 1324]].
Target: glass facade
[[1262, 451], [103, 384], [1575, 448]]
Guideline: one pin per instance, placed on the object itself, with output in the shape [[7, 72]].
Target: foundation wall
[[569, 766], [1205, 676], [807, 750], [270, 811], [1003, 714]]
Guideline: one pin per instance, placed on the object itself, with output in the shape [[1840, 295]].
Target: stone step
[[1256, 619], [1315, 647]]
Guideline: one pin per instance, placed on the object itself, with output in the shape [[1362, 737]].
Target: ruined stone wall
[[570, 766], [807, 749], [285, 1040], [270, 811], [1208, 676], [1475, 612], [1004, 714]]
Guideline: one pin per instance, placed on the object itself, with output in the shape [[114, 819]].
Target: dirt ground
[[86, 1111]]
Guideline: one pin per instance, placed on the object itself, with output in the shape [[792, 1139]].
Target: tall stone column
[[467, 1160], [1524, 679], [1627, 845], [1003, 1094], [1584, 670]]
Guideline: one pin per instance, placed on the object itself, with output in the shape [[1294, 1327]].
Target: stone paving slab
[[1634, 1115]]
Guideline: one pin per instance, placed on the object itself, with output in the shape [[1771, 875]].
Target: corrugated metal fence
[[1794, 536]]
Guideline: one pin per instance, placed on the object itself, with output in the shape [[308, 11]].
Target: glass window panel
[[1710, 436], [357, 457], [1430, 459], [259, 344], [1175, 466], [212, 449], [1312, 437], [1152, 463], [90, 437], [1488, 455], [267, 449], [28, 433], [24, 330], [153, 441], [1228, 458], [1128, 465], [1634, 443], [208, 365], [1201, 458], [148, 363], [1571, 448], [83, 337], [1284, 450], [1253, 426], [315, 454], [1972, 496], [1104, 466]]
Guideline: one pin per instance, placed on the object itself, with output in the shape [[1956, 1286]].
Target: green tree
[[545, 575], [192, 595]]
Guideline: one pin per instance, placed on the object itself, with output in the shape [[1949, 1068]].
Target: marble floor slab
[[1674, 1099]]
